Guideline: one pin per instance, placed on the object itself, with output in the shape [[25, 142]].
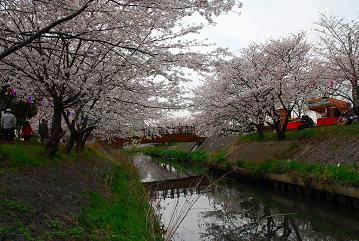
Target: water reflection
[[254, 221], [224, 212], [151, 171], [193, 209]]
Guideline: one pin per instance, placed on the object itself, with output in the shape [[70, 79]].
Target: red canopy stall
[[329, 108], [293, 123]]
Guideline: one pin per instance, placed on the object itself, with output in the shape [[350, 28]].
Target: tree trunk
[[355, 94], [73, 134], [81, 140], [70, 143], [260, 130], [81, 146], [281, 127], [279, 131], [78, 146], [56, 131]]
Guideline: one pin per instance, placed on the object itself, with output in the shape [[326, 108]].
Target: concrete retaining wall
[[336, 192]]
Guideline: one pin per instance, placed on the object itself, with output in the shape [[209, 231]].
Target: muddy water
[[225, 209]]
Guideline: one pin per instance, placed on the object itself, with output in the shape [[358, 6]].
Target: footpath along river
[[198, 208]]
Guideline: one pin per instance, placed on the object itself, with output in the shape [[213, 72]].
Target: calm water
[[226, 209]]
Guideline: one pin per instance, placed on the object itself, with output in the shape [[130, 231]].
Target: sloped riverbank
[[323, 159], [96, 197]]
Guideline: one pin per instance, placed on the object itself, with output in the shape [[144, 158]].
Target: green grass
[[218, 157], [343, 174], [179, 155], [181, 160], [194, 157], [124, 214], [19, 155], [18, 214], [33, 155], [184, 166], [325, 131], [87, 154], [13, 206], [199, 156], [121, 212], [54, 230]]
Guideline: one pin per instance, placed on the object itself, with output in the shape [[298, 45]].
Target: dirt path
[[46, 201]]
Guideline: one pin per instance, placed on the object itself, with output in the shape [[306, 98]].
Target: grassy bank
[[116, 208], [124, 212], [343, 174], [179, 155], [19, 155], [181, 160], [320, 132]]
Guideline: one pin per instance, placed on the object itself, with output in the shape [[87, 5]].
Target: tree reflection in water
[[226, 212], [249, 220]]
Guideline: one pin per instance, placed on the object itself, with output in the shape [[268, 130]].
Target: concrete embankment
[[343, 194], [335, 150]]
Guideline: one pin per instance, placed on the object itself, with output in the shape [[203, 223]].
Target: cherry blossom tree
[[247, 91], [117, 56], [339, 47], [236, 99], [17, 37], [211, 113], [290, 76]]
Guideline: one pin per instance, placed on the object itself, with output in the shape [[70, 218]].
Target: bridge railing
[[187, 129]]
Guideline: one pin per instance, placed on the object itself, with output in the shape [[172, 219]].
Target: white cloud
[[264, 19]]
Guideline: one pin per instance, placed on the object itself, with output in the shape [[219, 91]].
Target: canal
[[194, 208]]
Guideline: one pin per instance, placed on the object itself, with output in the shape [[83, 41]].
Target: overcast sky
[[263, 19], [260, 20]]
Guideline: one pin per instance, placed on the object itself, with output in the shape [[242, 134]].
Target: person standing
[[26, 131], [43, 130], [8, 124]]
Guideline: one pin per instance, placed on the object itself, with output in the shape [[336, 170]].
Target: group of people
[[347, 118], [8, 126]]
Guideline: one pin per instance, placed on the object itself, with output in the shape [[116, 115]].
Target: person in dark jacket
[[43, 130], [308, 122]]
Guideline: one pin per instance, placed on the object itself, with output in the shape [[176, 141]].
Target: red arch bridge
[[162, 135]]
